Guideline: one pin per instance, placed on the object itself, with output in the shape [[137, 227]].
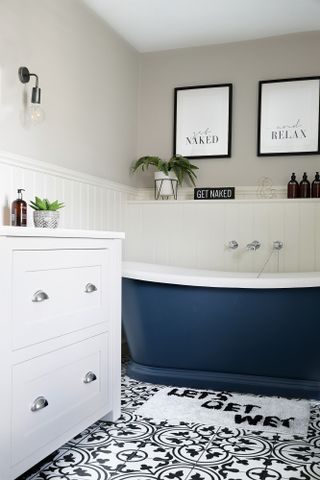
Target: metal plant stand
[[159, 184]]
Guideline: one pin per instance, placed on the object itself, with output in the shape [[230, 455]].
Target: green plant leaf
[[45, 204], [41, 203], [183, 169], [145, 162], [56, 205], [33, 205], [180, 165]]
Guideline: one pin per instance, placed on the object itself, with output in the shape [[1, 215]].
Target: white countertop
[[57, 232], [207, 278]]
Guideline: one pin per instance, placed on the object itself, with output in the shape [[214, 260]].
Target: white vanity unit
[[60, 300]]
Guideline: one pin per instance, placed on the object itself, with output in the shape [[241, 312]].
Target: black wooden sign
[[214, 193]]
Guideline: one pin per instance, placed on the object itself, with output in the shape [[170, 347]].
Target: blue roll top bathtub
[[223, 331]]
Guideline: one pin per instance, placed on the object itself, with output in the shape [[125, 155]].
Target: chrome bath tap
[[253, 246], [277, 245], [232, 245]]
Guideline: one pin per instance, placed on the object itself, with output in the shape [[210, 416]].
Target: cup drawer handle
[[90, 287], [39, 403], [40, 296], [89, 377]]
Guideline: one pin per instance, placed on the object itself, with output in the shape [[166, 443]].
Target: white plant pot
[[165, 185], [46, 218]]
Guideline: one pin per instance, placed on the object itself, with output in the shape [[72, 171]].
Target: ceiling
[[153, 25]]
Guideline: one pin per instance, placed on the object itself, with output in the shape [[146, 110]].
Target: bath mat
[[250, 412]]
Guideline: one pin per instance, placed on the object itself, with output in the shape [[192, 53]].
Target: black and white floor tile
[[136, 448]]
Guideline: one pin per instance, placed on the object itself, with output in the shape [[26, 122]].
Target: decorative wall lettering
[[202, 137], [288, 122], [202, 121]]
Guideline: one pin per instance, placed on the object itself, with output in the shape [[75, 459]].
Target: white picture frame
[[288, 117], [202, 121]]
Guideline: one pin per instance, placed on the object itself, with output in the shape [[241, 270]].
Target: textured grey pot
[[46, 218]]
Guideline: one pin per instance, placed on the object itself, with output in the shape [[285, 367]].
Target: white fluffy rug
[[250, 412]]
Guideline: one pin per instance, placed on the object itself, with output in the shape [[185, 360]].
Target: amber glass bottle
[[293, 187], [316, 186], [305, 187], [19, 211]]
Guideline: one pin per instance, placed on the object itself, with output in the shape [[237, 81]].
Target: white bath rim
[[207, 278]]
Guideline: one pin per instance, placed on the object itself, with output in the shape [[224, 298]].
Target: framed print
[[202, 121], [288, 117]]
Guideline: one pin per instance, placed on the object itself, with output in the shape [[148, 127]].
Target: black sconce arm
[[24, 76]]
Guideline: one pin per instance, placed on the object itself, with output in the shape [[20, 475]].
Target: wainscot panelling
[[195, 233], [185, 233], [91, 203]]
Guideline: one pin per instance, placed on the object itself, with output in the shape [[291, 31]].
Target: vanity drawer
[[56, 292], [62, 379]]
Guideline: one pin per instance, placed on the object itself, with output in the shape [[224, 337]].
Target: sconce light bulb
[[36, 114]]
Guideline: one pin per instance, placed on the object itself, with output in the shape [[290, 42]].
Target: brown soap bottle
[[19, 211], [305, 187], [316, 186], [293, 187]]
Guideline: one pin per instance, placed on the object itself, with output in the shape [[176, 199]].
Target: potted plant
[[169, 173], [46, 214]]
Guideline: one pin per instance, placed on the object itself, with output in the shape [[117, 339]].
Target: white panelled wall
[[195, 233], [183, 233], [91, 203]]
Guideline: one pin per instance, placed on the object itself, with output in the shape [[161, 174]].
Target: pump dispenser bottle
[[305, 187], [19, 211], [316, 186], [293, 187]]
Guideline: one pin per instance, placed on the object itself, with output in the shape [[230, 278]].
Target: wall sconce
[[34, 111]]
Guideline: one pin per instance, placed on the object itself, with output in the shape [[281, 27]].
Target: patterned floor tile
[[247, 446], [172, 472], [94, 463], [136, 394], [74, 473], [238, 450], [235, 456], [224, 472], [253, 473], [137, 448], [314, 428], [295, 459], [289, 472], [34, 471], [179, 435], [228, 432], [166, 446], [148, 459]]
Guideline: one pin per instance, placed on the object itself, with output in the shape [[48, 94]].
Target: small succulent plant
[[44, 204]]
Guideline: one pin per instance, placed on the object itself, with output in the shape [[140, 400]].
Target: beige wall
[[88, 77], [242, 64]]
